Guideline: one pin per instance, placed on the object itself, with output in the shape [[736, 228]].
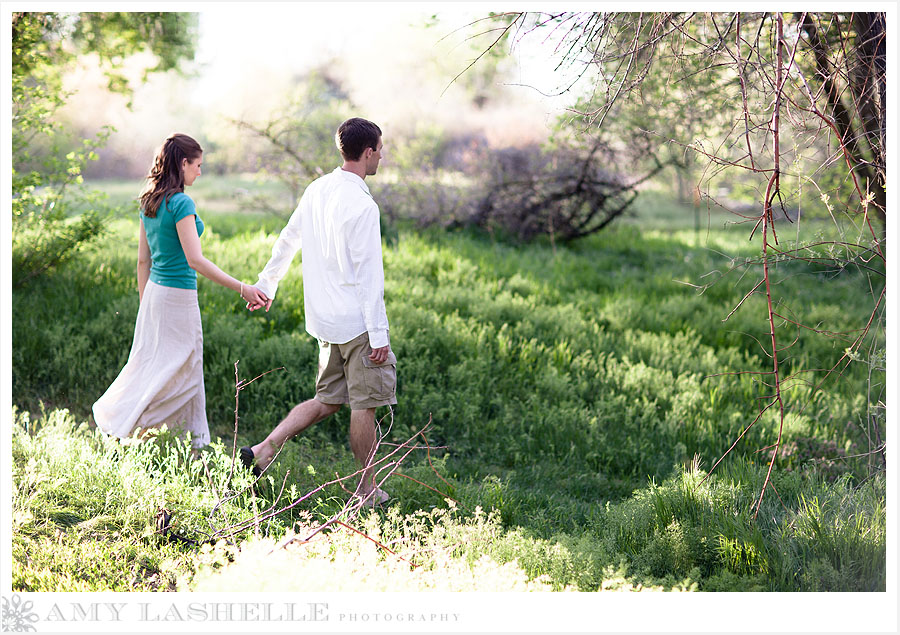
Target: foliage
[[428, 559], [487, 67], [84, 506], [114, 36], [84, 515], [46, 173], [554, 338], [773, 130], [45, 44], [427, 178], [552, 390], [44, 234], [702, 84]]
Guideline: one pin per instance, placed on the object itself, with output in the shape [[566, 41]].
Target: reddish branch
[[239, 385], [368, 537], [766, 220]]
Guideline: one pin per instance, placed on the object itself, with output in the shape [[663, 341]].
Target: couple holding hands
[[336, 225]]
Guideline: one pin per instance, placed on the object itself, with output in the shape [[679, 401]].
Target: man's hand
[[380, 355], [256, 299]]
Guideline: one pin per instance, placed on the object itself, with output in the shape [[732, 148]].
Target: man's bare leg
[[298, 419], [362, 443]]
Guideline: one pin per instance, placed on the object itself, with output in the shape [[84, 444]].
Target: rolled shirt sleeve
[[365, 254]]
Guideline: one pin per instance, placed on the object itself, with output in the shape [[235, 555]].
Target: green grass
[[84, 509], [568, 389]]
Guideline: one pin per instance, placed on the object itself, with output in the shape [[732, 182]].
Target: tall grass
[[84, 512], [559, 382]]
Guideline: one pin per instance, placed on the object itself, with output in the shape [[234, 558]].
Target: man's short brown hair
[[354, 136]]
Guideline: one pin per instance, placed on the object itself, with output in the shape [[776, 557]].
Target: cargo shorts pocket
[[380, 379]]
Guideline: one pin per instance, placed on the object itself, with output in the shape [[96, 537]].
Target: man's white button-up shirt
[[337, 227]]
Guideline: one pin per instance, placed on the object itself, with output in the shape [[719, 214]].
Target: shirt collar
[[353, 178]]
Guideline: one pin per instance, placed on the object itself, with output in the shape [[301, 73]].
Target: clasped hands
[[255, 298]]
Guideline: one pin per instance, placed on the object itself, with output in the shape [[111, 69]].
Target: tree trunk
[[868, 84], [868, 81]]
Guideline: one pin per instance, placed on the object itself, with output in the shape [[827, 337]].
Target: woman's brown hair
[[167, 174]]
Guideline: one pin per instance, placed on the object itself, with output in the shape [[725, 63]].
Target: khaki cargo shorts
[[347, 375]]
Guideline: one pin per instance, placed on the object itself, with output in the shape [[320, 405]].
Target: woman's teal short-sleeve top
[[169, 266]]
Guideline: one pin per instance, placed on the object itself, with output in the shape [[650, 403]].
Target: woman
[[162, 382]]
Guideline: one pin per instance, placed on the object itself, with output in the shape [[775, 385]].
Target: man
[[337, 227]]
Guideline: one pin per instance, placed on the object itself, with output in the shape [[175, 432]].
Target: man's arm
[[283, 252], [365, 254]]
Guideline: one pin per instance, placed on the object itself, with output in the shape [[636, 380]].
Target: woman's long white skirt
[[162, 382]]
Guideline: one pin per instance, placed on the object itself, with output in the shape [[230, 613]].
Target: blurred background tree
[[47, 168], [295, 144], [703, 84]]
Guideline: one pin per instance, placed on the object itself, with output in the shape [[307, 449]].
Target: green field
[[574, 397]]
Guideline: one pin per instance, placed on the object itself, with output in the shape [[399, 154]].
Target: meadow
[[571, 401]]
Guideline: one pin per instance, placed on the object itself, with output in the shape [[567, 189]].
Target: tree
[[785, 99], [587, 175], [848, 90], [46, 175], [567, 191], [296, 143]]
